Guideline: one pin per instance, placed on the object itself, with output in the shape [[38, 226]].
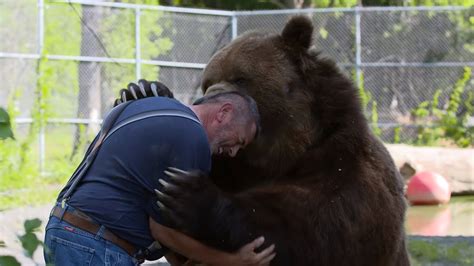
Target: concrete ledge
[[455, 164]]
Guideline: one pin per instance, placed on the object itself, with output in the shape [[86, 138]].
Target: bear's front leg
[[191, 203], [187, 199]]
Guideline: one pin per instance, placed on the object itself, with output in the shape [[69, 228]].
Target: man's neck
[[203, 116]]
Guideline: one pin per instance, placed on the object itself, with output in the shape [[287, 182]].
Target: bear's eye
[[206, 84], [238, 81]]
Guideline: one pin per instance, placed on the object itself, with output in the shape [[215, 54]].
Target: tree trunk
[[89, 98]]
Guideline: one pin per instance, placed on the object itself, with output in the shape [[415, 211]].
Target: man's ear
[[224, 112]]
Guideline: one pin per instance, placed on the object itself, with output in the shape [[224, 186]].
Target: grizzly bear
[[316, 182]]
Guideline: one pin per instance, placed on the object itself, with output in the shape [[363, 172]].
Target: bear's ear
[[298, 32]]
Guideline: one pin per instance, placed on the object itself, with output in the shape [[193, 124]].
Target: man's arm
[[196, 250]]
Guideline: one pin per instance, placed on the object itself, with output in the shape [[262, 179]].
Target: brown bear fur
[[316, 182]]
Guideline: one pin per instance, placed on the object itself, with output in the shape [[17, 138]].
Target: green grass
[[31, 196], [425, 253], [21, 182], [421, 250]]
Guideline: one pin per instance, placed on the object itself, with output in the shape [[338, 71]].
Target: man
[[112, 214]]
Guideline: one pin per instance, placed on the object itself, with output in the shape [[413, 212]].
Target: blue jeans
[[69, 245]]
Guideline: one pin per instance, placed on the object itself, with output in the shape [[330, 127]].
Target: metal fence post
[[42, 140], [138, 67], [357, 46], [234, 25]]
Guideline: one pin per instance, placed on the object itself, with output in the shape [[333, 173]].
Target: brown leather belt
[[82, 221]]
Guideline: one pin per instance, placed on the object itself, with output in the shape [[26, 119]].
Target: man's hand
[[186, 197], [199, 253], [246, 255], [143, 89]]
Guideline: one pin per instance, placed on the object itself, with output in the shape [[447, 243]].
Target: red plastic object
[[428, 188]]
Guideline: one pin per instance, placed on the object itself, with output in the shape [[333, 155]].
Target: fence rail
[[399, 55]]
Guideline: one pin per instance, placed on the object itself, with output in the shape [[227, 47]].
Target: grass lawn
[[31, 196], [21, 182]]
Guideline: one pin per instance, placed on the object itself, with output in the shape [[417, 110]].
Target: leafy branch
[[29, 242], [5, 125], [448, 122]]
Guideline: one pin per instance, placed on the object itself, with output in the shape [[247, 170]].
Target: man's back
[[118, 189]]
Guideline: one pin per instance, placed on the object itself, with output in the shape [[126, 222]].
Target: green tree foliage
[[447, 123], [288, 4], [18, 166], [466, 3], [369, 103], [119, 39], [351, 3], [258, 4], [29, 241], [334, 3], [5, 125], [230, 4], [396, 134], [116, 33], [57, 82]]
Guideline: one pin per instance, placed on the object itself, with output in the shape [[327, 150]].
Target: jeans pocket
[[65, 252]]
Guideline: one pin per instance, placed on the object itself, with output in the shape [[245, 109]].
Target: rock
[[407, 171], [455, 164]]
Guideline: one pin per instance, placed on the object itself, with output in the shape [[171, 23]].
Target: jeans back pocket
[[70, 253]]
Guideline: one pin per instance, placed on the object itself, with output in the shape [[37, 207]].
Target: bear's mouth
[[223, 152]]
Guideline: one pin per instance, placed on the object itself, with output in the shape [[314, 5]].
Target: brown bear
[[316, 182]]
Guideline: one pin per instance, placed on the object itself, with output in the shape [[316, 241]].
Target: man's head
[[230, 119]]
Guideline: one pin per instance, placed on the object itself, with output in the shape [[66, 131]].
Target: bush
[[5, 125], [447, 123], [29, 241]]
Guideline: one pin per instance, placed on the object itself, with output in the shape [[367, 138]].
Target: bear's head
[[302, 98]]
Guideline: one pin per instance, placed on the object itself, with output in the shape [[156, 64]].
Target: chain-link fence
[[63, 63]]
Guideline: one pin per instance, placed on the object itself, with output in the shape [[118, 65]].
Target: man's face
[[230, 137]]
